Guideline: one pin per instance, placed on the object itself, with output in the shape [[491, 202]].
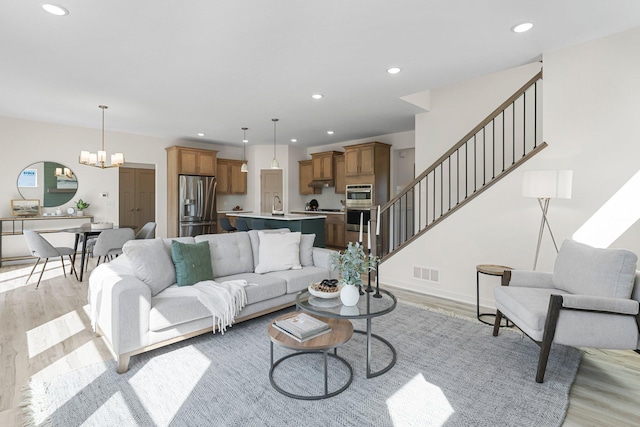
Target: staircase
[[506, 139]]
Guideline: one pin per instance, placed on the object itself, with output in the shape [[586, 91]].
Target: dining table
[[85, 231]]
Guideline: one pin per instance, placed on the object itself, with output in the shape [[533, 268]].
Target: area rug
[[450, 372]]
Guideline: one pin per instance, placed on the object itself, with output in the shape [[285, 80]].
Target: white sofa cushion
[[151, 263], [298, 280], [261, 286], [582, 269], [306, 249], [230, 253], [278, 251], [255, 242]]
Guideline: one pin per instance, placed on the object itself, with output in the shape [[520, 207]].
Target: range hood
[[322, 183]]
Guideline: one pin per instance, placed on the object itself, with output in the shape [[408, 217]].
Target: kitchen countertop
[[232, 211], [285, 217], [320, 211]]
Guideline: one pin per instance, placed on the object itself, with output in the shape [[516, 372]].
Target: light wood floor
[[46, 332]]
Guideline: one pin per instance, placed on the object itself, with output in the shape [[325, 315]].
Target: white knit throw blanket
[[224, 300]]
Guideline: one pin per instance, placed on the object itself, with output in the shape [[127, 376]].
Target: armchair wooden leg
[[496, 325], [555, 304]]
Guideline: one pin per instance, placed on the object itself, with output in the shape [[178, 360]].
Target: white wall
[[24, 142], [590, 122]]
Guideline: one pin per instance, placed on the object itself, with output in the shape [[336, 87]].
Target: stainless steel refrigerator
[[197, 204]]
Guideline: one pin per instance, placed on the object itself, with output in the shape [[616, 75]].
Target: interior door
[[270, 187], [137, 195]]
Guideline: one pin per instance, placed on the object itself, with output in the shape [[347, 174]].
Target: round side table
[[341, 332], [489, 270]]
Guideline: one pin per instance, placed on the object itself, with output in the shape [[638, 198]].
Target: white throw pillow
[[151, 263], [278, 252], [306, 249]]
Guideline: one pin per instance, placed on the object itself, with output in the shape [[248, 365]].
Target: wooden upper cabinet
[[231, 179], [305, 177], [338, 171], [238, 178], [207, 163], [323, 164], [361, 159], [193, 161]]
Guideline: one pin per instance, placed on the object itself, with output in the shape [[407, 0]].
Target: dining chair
[[41, 248], [241, 224], [148, 231], [225, 224], [110, 242]]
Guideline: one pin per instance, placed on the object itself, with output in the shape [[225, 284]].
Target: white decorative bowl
[[325, 295], [101, 225]]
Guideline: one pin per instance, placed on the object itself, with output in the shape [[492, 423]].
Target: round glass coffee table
[[367, 308], [341, 332]]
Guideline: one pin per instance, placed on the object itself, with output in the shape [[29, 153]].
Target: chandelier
[[99, 159]]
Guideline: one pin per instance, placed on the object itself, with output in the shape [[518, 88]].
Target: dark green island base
[[306, 224]]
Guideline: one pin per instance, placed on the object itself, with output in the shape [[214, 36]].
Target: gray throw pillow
[[306, 249], [151, 263], [584, 270]]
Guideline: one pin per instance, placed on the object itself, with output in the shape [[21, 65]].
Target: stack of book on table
[[301, 327]]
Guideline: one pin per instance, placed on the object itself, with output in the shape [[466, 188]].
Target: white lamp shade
[[552, 184], [93, 158], [244, 168], [84, 157], [275, 164], [117, 159], [102, 156]]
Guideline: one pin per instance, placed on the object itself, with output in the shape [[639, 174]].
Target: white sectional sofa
[[131, 313]]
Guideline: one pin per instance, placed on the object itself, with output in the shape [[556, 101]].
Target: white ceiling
[[175, 68]]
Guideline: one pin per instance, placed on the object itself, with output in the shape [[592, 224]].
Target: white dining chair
[[41, 248]]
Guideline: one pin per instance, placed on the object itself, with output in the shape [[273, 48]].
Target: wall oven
[[359, 202], [359, 196]]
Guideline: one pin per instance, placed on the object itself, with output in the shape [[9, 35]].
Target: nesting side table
[[489, 270]]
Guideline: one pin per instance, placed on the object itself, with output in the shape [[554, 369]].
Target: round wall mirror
[[51, 183]]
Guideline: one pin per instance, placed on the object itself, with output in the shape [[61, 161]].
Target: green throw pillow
[[193, 262]]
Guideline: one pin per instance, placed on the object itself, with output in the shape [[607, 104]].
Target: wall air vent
[[429, 274]]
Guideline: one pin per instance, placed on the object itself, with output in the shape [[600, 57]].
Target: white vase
[[349, 295]]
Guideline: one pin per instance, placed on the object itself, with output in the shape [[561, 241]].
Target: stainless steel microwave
[[359, 196]]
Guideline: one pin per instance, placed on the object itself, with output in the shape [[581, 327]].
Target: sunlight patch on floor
[[151, 389], [16, 278], [419, 403], [106, 411], [53, 332], [87, 354], [613, 218]]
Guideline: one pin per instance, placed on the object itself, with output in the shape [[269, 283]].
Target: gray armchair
[[591, 299]]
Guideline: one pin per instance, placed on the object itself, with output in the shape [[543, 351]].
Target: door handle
[[131, 210]]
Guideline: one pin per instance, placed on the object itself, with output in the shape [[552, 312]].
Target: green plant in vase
[[352, 263], [81, 205]]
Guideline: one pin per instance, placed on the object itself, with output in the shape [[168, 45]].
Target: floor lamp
[[545, 185]]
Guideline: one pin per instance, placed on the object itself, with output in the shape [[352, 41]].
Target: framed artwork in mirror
[[25, 207]]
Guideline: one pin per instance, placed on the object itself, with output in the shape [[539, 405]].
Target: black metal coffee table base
[[326, 355]]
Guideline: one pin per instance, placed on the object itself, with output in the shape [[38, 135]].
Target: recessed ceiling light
[[55, 9], [317, 96], [393, 70], [521, 28], [294, 140], [330, 132], [200, 134]]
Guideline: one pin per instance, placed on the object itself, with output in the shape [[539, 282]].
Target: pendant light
[[99, 159], [274, 162], [244, 168]]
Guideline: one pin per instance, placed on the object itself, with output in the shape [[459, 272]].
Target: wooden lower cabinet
[[334, 231]]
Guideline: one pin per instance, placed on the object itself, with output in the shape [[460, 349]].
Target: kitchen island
[[306, 224]]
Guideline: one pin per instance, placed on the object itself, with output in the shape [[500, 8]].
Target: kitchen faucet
[[275, 211]]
